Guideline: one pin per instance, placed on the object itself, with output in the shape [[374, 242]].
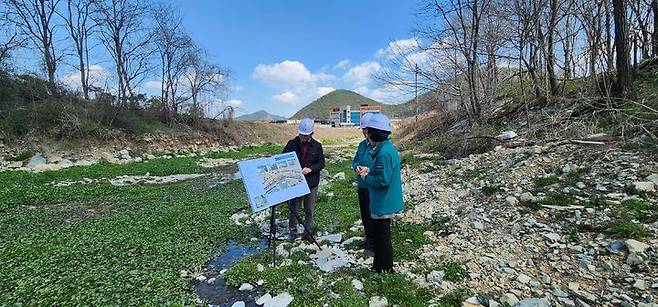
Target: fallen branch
[[563, 208], [581, 142]]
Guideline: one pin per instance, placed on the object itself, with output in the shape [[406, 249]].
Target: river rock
[[378, 301], [509, 298], [282, 300], [534, 302], [263, 299], [507, 135], [653, 178], [644, 186], [36, 161], [526, 197], [634, 259], [238, 304], [635, 246], [511, 200], [357, 284], [435, 277], [524, 279], [246, 287], [340, 176]]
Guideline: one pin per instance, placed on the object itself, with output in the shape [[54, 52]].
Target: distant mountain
[[260, 116], [321, 107]]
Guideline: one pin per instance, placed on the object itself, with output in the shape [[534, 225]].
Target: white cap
[[364, 120], [306, 126], [380, 121]]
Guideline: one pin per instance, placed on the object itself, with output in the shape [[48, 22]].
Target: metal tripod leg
[[306, 231]]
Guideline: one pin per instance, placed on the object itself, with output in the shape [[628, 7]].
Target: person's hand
[[306, 171], [364, 172]]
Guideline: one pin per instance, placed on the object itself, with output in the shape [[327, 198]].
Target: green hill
[[320, 108], [260, 116]]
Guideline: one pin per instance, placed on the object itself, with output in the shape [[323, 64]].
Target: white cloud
[[325, 90], [155, 85], [233, 102], [286, 97], [361, 74], [344, 64], [286, 73], [396, 47], [98, 77]]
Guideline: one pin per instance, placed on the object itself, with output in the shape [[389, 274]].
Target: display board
[[273, 180]]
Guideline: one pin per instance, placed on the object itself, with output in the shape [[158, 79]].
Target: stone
[[324, 173], [36, 161], [616, 247], [554, 237], [333, 238], [478, 225], [340, 176], [260, 267], [653, 178], [573, 286], [282, 300], [507, 135], [435, 277], [357, 284], [378, 301], [238, 304], [635, 246], [526, 197], [559, 293], [511, 200], [263, 299], [211, 280], [246, 287], [580, 185], [644, 186], [509, 298], [634, 259], [201, 278], [471, 302], [640, 284], [534, 302], [494, 303], [524, 279]]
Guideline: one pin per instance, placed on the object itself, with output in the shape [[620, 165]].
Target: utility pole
[[416, 85]]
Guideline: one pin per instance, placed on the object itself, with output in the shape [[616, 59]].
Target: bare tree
[[624, 77], [176, 50], [78, 19], [10, 39], [121, 24], [654, 35], [35, 18], [202, 78]]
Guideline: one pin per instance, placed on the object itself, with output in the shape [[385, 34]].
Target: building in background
[[346, 116]]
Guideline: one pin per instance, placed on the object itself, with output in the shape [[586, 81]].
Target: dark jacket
[[314, 159]]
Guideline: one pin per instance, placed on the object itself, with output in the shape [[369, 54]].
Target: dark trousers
[[383, 247], [309, 208], [366, 220]]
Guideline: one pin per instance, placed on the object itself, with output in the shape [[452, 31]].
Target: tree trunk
[[550, 58], [624, 77], [608, 37], [654, 36]]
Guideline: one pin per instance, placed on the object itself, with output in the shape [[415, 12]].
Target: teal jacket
[[384, 181], [362, 158]]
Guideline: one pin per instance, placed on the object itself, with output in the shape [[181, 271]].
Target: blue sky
[[284, 54]]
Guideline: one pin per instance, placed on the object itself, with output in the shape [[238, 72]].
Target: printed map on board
[[274, 180]]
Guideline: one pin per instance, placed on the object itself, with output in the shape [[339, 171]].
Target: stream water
[[219, 293]]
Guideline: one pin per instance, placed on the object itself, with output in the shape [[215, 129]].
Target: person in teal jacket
[[363, 159], [384, 183]]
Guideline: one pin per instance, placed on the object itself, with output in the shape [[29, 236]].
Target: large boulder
[[36, 161]]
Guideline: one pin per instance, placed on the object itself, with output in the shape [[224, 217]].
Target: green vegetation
[[572, 235], [546, 180], [626, 230], [558, 200], [455, 298], [490, 190], [100, 244], [454, 271]]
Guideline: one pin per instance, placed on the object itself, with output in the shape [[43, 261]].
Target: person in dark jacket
[[363, 159], [384, 183], [311, 157]]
